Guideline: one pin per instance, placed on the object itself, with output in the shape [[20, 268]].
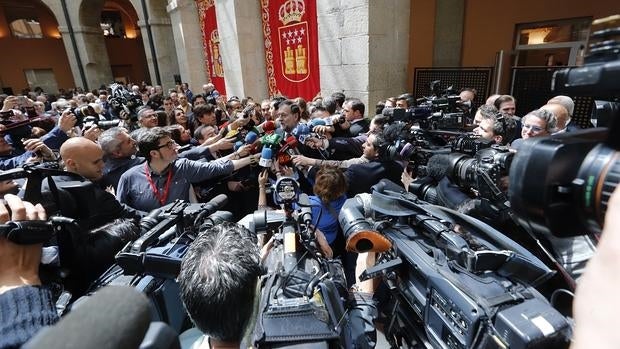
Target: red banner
[[291, 47], [211, 44]]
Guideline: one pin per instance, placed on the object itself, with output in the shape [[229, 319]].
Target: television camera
[[152, 262], [454, 282], [123, 103], [302, 292], [570, 198], [443, 110]]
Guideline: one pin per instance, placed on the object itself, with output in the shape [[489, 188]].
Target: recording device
[[443, 110], [447, 289], [123, 103], [151, 263], [115, 317], [301, 293], [561, 185], [91, 121]]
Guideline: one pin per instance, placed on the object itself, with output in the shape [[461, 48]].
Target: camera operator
[[495, 127], [25, 305], [219, 275], [85, 157]]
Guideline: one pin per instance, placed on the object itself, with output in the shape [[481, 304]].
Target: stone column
[[188, 42], [243, 53], [165, 51], [94, 55], [449, 19], [363, 48]]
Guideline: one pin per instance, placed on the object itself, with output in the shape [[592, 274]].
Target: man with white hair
[[569, 104]]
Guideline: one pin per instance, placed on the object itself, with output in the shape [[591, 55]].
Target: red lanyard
[[164, 196]]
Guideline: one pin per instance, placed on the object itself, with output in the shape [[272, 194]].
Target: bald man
[[561, 115], [85, 157]]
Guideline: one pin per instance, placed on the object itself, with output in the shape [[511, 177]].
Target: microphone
[[287, 150], [267, 127], [316, 122], [251, 137], [289, 146], [114, 317], [266, 158], [437, 166]]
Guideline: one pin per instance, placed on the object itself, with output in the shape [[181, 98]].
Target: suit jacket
[[363, 176]]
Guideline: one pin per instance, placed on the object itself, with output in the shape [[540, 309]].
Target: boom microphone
[[115, 317]]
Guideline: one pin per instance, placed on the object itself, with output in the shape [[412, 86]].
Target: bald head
[[560, 112], [84, 157], [565, 101]]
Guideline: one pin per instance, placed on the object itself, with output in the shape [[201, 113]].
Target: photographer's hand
[[19, 264], [92, 133], [66, 121], [406, 179], [300, 160], [37, 146], [9, 103]]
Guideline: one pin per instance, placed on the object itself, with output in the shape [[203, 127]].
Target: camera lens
[[596, 180]]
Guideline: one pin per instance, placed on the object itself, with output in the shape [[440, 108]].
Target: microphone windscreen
[[251, 137], [291, 141], [238, 144], [267, 153], [317, 122], [438, 165], [114, 317], [269, 126]]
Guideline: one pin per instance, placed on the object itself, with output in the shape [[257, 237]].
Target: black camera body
[[570, 197], [473, 289], [302, 292], [152, 262]]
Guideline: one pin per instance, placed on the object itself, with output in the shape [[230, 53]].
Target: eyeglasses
[[170, 144], [535, 129]]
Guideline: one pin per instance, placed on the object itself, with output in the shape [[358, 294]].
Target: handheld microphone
[[250, 139], [114, 317], [267, 127], [266, 158]]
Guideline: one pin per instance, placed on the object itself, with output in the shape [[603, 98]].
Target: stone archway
[[32, 63]]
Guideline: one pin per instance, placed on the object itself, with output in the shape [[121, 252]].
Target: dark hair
[[379, 107], [294, 107], [407, 97], [196, 96], [330, 105], [219, 275], [339, 98], [148, 139], [201, 110], [329, 184], [357, 104]]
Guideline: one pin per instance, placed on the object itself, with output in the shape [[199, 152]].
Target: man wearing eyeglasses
[[164, 177]]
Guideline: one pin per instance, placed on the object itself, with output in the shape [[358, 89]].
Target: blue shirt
[[135, 190], [328, 224]]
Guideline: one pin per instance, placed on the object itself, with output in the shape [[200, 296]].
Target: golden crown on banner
[[292, 11]]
